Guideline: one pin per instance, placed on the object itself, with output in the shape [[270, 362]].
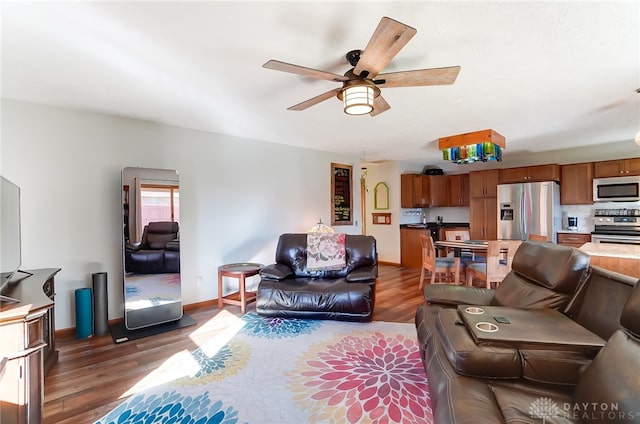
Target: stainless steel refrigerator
[[529, 208]]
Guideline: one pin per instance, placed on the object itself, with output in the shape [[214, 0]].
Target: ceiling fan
[[360, 91]]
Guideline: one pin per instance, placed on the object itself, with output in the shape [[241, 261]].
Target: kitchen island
[[622, 258]]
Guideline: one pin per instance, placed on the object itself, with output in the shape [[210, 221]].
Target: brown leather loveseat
[[289, 289], [547, 373]]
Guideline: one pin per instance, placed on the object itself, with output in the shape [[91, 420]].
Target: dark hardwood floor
[[94, 375]]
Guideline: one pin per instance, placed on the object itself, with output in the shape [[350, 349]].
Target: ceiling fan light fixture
[[358, 99], [478, 146]]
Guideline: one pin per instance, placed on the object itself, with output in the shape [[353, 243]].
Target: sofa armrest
[[457, 295], [365, 273], [276, 272], [173, 245], [133, 247]]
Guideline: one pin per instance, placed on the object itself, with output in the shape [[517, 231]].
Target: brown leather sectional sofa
[[529, 373]]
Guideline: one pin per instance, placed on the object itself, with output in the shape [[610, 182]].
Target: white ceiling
[[546, 75]]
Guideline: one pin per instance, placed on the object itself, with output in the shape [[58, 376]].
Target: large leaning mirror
[[151, 247]]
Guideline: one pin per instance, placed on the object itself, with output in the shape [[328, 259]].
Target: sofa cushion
[[588, 308], [478, 403], [316, 299], [533, 405], [553, 266], [543, 275], [148, 261], [553, 367], [612, 378], [517, 292]]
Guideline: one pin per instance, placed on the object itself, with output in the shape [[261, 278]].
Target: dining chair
[[435, 265], [463, 235], [537, 237], [500, 255]]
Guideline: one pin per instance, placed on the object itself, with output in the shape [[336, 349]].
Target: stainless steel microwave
[[616, 189]]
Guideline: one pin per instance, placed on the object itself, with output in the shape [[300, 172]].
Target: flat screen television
[[10, 238]]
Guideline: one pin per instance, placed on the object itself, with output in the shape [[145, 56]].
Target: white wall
[[236, 195], [387, 236]]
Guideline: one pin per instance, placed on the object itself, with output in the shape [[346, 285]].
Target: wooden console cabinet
[[28, 346]]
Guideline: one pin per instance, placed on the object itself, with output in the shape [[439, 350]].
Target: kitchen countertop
[[630, 251], [580, 231], [420, 226]]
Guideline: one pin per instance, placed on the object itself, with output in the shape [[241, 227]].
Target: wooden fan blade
[[379, 105], [419, 77], [301, 70], [388, 39], [315, 100]]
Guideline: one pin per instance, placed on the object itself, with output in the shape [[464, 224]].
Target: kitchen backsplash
[[584, 213], [453, 214]]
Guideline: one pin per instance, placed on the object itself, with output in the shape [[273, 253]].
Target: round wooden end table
[[240, 271]]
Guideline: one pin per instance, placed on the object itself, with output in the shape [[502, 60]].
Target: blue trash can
[[84, 313]]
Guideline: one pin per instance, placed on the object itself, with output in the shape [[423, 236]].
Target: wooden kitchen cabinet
[[483, 205], [527, 174], [483, 218], [483, 183], [617, 168], [458, 186], [576, 184], [410, 248], [414, 191], [438, 190], [573, 239]]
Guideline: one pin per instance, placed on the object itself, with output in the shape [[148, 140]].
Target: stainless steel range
[[617, 226]]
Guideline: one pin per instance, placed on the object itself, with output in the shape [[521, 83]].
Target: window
[[159, 203]]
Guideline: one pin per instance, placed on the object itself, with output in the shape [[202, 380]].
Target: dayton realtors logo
[[544, 408], [585, 411]]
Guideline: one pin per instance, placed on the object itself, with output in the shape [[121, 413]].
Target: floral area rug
[[278, 371]]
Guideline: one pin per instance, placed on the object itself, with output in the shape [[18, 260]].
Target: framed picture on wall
[[341, 194]]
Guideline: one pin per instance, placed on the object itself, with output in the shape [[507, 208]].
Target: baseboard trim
[[68, 332], [389, 263]]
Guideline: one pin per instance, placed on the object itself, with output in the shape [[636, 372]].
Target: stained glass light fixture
[[478, 146]]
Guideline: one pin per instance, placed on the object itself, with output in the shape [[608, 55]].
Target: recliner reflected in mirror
[[157, 253]]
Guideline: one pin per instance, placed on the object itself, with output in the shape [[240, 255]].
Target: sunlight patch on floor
[[210, 337]]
